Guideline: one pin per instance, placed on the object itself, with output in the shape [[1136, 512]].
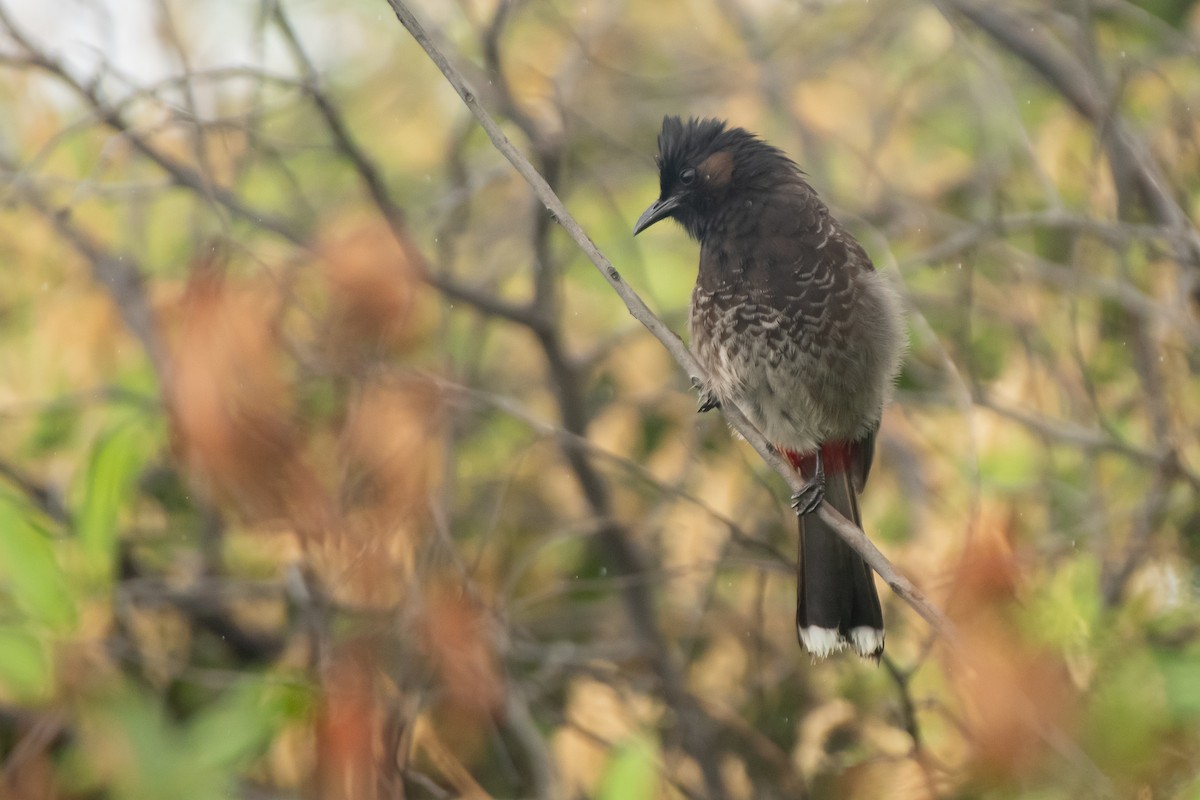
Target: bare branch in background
[[120, 275], [1129, 156]]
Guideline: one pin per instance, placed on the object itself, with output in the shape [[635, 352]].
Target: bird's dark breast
[[776, 322]]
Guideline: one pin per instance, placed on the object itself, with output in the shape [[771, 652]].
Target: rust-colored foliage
[[456, 637], [373, 282], [230, 403], [391, 446], [1016, 695], [349, 725]]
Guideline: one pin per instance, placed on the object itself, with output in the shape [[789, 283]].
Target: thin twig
[[180, 173], [119, 274]]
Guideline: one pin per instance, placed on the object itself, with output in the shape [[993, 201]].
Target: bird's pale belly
[[796, 393]]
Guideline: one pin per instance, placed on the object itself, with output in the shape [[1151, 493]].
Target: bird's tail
[[836, 601]]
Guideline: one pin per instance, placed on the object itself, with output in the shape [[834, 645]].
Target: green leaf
[[25, 669], [242, 723], [1181, 673], [1066, 609], [117, 459], [55, 427], [1127, 715], [30, 569], [136, 751], [632, 773]]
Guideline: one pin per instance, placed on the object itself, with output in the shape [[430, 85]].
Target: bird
[[795, 327]]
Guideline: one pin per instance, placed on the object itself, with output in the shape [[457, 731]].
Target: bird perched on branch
[[795, 327]]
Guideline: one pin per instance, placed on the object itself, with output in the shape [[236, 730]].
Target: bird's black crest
[[683, 144], [682, 141]]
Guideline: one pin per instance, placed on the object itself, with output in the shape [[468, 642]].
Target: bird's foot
[[810, 497], [707, 402]]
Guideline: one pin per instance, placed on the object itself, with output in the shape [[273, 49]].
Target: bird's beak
[[660, 209]]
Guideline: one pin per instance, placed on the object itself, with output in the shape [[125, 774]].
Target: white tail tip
[[823, 642], [867, 641]]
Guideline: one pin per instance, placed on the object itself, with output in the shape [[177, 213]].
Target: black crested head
[[701, 162], [682, 143]]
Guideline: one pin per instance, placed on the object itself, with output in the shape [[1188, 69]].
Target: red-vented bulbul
[[793, 325]]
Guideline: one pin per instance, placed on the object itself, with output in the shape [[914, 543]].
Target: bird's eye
[[687, 177]]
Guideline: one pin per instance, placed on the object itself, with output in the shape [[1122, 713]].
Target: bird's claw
[[708, 401], [809, 498]]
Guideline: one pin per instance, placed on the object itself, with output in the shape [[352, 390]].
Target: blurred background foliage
[[329, 467]]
